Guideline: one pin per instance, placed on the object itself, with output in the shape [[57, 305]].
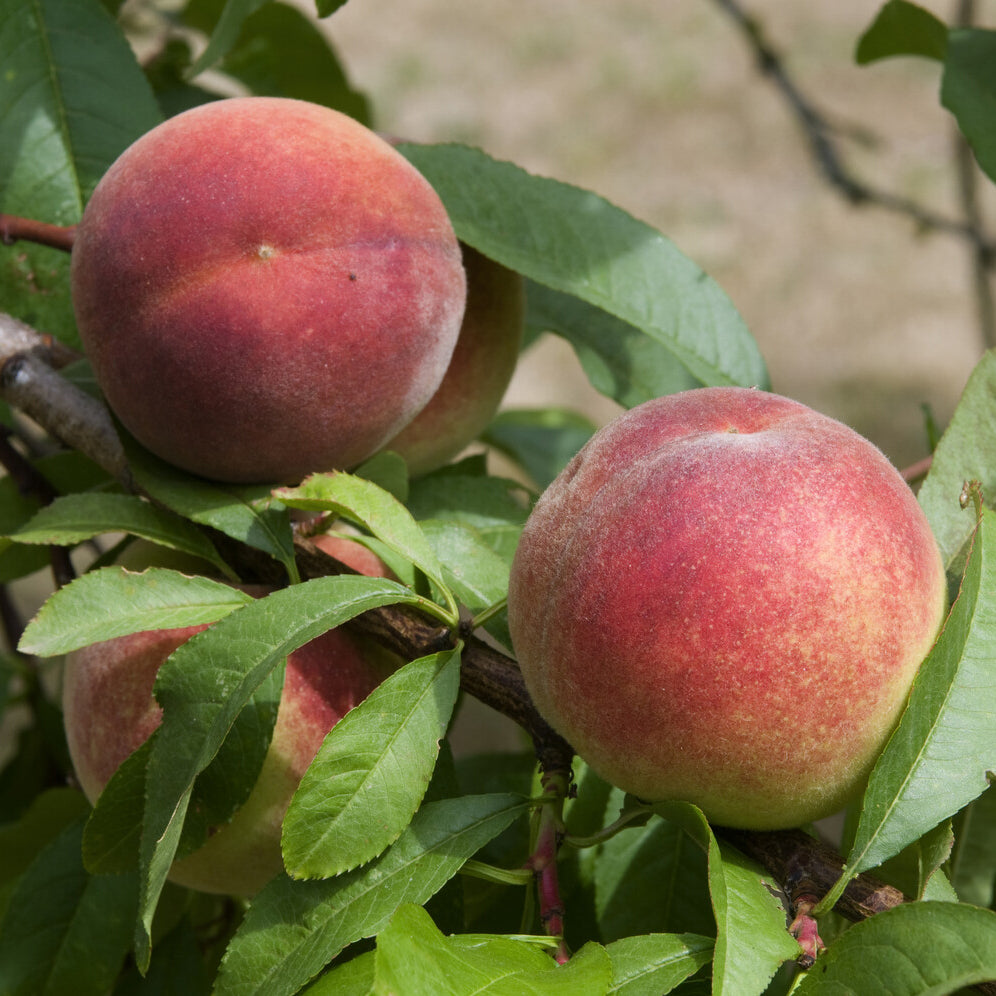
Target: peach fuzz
[[724, 599], [479, 372], [266, 288], [110, 711]]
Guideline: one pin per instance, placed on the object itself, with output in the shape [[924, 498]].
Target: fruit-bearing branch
[[29, 382]]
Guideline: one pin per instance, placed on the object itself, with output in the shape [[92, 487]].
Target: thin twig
[[819, 131], [543, 861], [14, 229], [968, 192]]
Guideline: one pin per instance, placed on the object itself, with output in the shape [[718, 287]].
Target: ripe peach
[[364, 561], [724, 599], [479, 372], [110, 711], [266, 288]]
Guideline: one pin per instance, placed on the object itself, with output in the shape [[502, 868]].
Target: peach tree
[[408, 861]]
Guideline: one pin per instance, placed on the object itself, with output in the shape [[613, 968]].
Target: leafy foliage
[[409, 870]]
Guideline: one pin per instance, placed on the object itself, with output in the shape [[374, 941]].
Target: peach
[[479, 372], [353, 554], [110, 711], [724, 599], [266, 288]]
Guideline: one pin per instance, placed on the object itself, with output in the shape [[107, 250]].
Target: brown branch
[[818, 131], [804, 865], [486, 674], [805, 868], [14, 229], [28, 382]]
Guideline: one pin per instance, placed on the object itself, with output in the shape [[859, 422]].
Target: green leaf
[[247, 514], [364, 503], [937, 759], [371, 773], [620, 360], [71, 519], [751, 936], [387, 470], [21, 840], [968, 90], [113, 601], [477, 575], [542, 441], [966, 451], [414, 957], [651, 879], [178, 967], [113, 833], [354, 978], [973, 862], [918, 949], [493, 506], [903, 28], [328, 7], [225, 33], [294, 929], [280, 52], [915, 870], [61, 125], [64, 930], [653, 964], [166, 72], [204, 686], [577, 243], [66, 471]]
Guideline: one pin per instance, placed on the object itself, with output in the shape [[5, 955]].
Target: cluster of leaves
[[405, 875]]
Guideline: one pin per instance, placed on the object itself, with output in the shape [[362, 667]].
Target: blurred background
[[661, 108]]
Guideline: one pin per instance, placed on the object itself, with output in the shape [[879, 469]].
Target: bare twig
[[968, 175], [14, 229], [819, 131]]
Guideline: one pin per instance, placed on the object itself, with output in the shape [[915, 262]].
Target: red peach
[[266, 288], [110, 711], [479, 372], [353, 554], [724, 599]]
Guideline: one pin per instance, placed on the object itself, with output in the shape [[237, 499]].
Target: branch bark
[[29, 383], [14, 229]]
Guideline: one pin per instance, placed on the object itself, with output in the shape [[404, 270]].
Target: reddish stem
[[14, 229], [543, 861]]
